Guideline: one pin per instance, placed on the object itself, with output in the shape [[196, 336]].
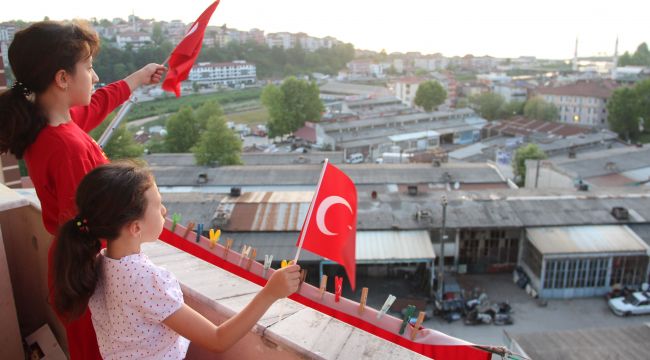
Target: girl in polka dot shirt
[[137, 308]]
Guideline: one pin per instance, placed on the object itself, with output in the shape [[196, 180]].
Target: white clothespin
[[267, 264], [389, 302], [245, 250]]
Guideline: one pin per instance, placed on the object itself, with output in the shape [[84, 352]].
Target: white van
[[355, 158]]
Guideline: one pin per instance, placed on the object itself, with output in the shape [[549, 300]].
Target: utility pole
[[441, 259]]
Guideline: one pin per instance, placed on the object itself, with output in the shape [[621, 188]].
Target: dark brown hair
[[108, 198], [35, 55]]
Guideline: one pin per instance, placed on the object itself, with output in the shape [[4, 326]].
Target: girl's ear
[[134, 229], [62, 79]]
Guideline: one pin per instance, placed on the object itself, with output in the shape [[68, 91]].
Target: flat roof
[[586, 239], [629, 342]]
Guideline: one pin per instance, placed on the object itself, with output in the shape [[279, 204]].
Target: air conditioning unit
[[235, 191], [620, 213], [412, 190]]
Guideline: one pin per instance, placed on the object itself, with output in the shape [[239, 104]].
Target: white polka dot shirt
[[132, 298]]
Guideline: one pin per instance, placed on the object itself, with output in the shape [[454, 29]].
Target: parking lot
[[528, 314]]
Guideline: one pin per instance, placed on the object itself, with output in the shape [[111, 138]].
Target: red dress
[[57, 161]]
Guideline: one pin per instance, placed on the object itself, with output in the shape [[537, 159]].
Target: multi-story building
[[405, 89], [230, 74], [135, 39], [582, 103]]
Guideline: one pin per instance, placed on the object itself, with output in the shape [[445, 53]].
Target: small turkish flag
[[331, 224], [182, 58]]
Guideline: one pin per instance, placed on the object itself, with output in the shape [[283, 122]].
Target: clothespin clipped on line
[[245, 251], [268, 259], [303, 276], [176, 218], [338, 288], [226, 250], [323, 285], [387, 304], [214, 237], [252, 256], [283, 264], [364, 298], [410, 310], [190, 227], [199, 232], [418, 323]]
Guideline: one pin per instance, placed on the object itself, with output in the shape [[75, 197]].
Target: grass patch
[[172, 104], [249, 117]]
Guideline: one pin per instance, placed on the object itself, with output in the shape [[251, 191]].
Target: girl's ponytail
[[75, 271], [20, 120]]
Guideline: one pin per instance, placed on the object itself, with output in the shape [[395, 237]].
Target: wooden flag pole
[[305, 225]]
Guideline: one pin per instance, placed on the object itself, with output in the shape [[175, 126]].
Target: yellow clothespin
[[364, 298], [227, 248], [284, 264], [250, 259], [323, 285], [417, 325], [214, 237], [245, 251], [190, 227]]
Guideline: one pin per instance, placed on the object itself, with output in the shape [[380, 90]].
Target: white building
[[230, 74], [582, 103], [135, 39], [405, 89]]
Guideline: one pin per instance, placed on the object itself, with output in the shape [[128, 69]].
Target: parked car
[[636, 303], [355, 158]]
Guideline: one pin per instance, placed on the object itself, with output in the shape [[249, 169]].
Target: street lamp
[[441, 260]]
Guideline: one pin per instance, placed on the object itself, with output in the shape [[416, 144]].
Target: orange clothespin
[[214, 237], [190, 227], [419, 321], [303, 276], [364, 298], [323, 285], [338, 288], [245, 251], [252, 256], [227, 248]]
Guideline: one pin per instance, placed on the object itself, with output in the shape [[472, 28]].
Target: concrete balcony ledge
[[288, 329]]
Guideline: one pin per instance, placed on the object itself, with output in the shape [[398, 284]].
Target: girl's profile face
[[83, 79], [154, 215]]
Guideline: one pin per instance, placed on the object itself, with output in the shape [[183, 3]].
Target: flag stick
[[305, 225]]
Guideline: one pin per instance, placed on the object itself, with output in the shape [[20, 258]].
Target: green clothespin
[[176, 218], [410, 311]]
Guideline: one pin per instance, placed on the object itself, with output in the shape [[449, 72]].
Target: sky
[[500, 28]]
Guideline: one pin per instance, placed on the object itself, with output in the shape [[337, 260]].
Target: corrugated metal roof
[[393, 245], [370, 245], [586, 239]]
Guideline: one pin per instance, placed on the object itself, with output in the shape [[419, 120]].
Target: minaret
[[575, 56]]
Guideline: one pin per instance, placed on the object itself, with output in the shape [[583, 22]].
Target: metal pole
[[441, 260], [115, 123]]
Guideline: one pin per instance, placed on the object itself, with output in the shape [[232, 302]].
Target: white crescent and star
[[193, 29], [322, 211]]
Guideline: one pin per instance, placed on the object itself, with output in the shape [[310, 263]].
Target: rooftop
[[597, 89], [586, 239]]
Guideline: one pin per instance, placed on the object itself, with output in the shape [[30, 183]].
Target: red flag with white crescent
[[331, 224]]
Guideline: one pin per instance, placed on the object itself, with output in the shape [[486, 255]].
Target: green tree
[[528, 152], [625, 111], [157, 34], [182, 131], [430, 95], [513, 108], [218, 144], [489, 105], [538, 109], [206, 111], [290, 105], [121, 145]]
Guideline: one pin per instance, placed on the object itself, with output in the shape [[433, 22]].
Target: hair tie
[[21, 87], [82, 224]]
